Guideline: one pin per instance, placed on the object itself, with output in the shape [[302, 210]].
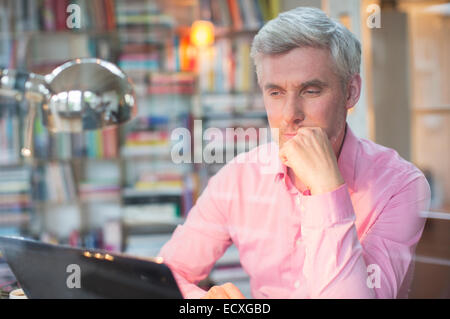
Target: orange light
[[109, 257], [87, 254], [202, 33]]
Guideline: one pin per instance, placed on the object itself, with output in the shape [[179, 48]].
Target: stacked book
[[240, 14], [10, 139], [147, 245], [101, 143], [101, 183], [242, 103], [142, 30], [158, 191], [170, 83], [228, 68], [37, 27], [52, 15], [98, 191], [54, 183], [151, 137], [160, 182], [15, 199], [92, 144], [141, 13], [151, 204]]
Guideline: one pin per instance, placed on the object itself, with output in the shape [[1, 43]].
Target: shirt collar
[[346, 160]]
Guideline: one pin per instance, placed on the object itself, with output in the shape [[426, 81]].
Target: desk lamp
[[82, 94]]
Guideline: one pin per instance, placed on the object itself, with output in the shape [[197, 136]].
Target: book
[[138, 215], [228, 69], [15, 199], [49, 15], [59, 9], [235, 14], [225, 15], [5, 41], [53, 182], [216, 15], [146, 245], [249, 13]]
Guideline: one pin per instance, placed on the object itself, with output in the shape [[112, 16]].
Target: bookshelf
[[228, 91], [118, 189], [83, 187], [230, 98]]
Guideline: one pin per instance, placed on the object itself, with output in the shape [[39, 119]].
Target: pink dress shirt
[[357, 241]]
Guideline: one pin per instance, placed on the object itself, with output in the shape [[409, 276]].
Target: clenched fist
[[311, 157], [226, 291]]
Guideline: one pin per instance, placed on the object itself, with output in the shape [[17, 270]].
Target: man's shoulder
[[384, 164]]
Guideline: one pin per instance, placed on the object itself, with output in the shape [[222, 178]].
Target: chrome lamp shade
[[83, 94]]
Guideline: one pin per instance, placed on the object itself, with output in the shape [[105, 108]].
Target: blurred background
[[118, 188]]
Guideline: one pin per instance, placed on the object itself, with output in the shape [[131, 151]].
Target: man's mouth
[[289, 135]]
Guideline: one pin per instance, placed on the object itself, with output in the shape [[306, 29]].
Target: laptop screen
[[56, 271]]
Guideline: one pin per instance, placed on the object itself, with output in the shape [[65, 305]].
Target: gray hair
[[309, 27]]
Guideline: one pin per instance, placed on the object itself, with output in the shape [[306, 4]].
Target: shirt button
[[298, 242], [297, 200], [302, 208], [297, 284]]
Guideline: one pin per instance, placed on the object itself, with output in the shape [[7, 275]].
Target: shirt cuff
[[324, 210]]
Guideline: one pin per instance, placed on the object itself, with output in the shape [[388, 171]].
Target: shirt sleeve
[[196, 245], [338, 265]]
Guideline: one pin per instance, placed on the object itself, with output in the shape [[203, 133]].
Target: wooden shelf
[[445, 109]]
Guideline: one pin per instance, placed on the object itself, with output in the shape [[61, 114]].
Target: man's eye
[[312, 92], [274, 93]]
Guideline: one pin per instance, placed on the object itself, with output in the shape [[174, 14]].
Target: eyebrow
[[314, 82]]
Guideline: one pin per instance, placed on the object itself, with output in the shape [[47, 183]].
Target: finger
[[232, 291], [303, 135], [289, 150], [283, 157], [310, 136], [284, 161], [305, 130], [217, 292]]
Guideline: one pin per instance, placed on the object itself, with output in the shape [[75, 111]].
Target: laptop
[[57, 271]]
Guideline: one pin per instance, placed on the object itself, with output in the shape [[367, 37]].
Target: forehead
[[297, 65]]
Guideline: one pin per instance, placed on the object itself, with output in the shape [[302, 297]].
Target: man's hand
[[311, 157], [226, 291]]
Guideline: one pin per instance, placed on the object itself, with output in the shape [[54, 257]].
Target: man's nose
[[293, 113]]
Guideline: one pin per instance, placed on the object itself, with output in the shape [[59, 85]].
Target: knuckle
[[228, 285], [218, 290], [213, 290]]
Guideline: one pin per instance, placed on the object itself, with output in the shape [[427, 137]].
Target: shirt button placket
[[297, 200]]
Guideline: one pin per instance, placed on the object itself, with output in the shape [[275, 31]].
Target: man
[[339, 215]]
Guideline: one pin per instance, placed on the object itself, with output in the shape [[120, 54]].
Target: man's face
[[300, 88]]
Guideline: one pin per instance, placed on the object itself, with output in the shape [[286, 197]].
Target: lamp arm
[[27, 149], [30, 86]]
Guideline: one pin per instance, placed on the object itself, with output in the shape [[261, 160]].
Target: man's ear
[[353, 91]]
